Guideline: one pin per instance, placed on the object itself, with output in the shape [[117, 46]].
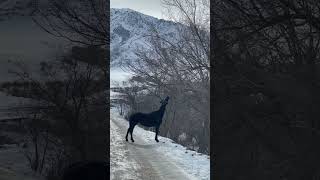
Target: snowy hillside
[[130, 29]]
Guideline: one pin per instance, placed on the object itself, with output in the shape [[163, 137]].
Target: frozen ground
[[146, 159]]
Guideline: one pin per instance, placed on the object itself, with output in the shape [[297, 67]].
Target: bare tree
[[70, 100], [84, 21], [265, 56]]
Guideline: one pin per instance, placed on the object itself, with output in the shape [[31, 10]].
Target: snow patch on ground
[[121, 167], [193, 163]]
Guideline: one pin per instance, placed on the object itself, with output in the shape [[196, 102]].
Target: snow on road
[[122, 167], [146, 159]]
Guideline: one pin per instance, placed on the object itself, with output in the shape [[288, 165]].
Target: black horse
[[153, 119]]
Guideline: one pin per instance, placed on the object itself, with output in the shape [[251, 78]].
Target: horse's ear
[[165, 100]]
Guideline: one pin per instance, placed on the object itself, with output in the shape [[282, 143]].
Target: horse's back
[[136, 116], [143, 119]]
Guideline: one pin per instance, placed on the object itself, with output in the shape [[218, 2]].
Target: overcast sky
[[23, 40], [149, 7]]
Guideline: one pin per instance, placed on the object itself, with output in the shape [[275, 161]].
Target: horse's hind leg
[[129, 129], [157, 131]]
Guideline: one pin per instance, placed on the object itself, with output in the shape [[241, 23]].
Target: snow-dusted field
[[167, 159]]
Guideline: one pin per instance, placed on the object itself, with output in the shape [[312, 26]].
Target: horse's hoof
[[132, 140], [157, 140], [127, 140]]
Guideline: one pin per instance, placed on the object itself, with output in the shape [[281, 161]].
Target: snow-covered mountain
[[130, 29]]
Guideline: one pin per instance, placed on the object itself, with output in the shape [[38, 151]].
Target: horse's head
[[165, 101]]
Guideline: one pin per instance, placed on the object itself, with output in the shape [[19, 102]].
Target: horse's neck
[[161, 110]]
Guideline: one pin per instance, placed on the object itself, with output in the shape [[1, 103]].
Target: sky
[[22, 37], [22, 40], [149, 7]]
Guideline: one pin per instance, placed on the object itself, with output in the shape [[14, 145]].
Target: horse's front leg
[[157, 131], [127, 134], [131, 132]]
